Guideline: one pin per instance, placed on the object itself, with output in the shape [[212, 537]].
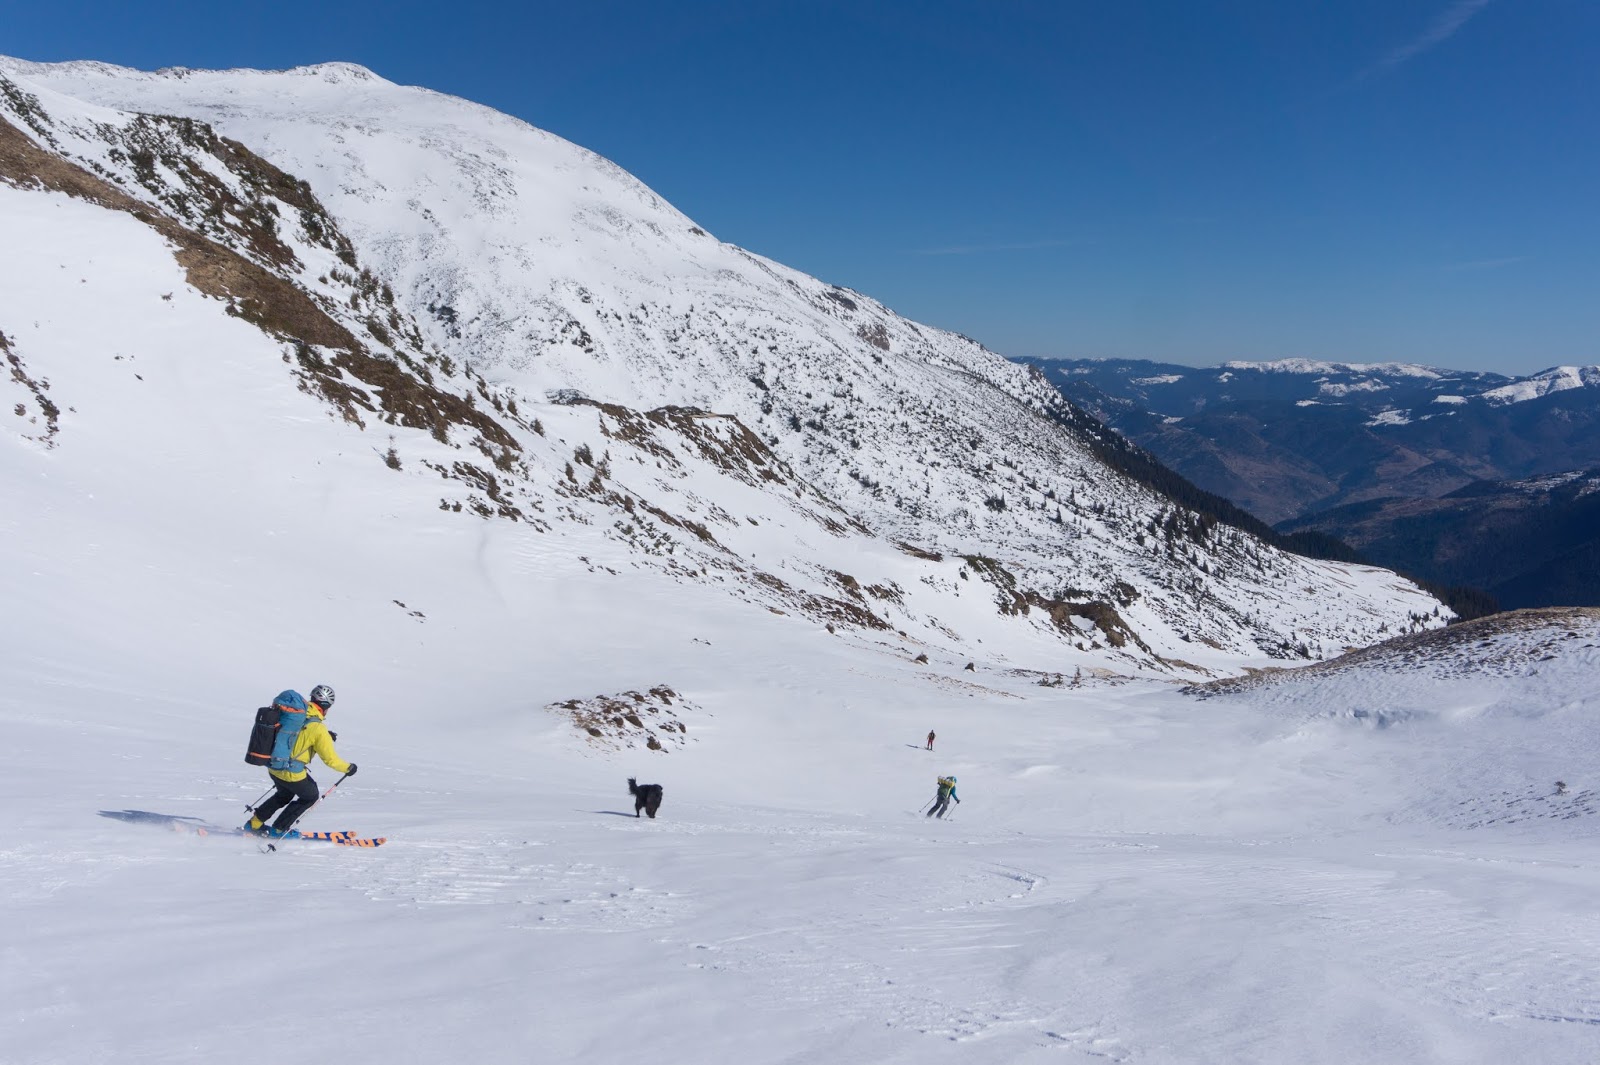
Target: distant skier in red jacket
[[930, 739]]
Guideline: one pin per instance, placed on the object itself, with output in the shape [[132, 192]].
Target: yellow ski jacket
[[313, 739]]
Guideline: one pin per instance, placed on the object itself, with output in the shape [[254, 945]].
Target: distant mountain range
[[1459, 477]]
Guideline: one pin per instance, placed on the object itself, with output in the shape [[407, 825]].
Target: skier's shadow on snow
[[145, 817], [916, 747], [615, 813]]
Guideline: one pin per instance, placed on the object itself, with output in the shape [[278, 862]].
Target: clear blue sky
[[1188, 180]]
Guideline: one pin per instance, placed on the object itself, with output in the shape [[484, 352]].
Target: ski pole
[[258, 802], [335, 784]]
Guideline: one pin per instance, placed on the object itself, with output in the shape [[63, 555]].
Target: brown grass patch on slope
[[206, 203], [36, 387], [271, 303], [1012, 601], [629, 719]]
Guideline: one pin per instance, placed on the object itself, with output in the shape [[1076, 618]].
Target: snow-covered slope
[[1374, 866], [511, 270], [225, 475], [1555, 379]]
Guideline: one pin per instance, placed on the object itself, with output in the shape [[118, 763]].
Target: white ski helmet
[[322, 695]]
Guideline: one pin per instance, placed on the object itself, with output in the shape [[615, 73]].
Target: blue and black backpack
[[276, 729]]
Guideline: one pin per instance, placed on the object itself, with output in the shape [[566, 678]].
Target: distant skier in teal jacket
[[941, 801]]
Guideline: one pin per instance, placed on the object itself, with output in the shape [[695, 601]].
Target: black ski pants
[[940, 806], [293, 797]]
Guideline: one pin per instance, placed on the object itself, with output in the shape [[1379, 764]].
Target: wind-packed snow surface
[[1373, 866], [213, 491]]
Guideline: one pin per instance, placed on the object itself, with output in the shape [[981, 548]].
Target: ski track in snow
[[899, 948], [1407, 893], [1350, 892], [961, 935]]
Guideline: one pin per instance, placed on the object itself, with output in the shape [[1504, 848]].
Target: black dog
[[646, 797]]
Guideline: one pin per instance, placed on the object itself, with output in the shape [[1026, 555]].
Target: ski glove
[[958, 801], [351, 771], [334, 736]]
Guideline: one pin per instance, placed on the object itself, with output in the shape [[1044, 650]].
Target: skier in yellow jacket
[[294, 790]]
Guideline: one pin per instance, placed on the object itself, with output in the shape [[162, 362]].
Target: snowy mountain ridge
[[1320, 366], [470, 282], [1291, 439], [1340, 379], [1555, 379]]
